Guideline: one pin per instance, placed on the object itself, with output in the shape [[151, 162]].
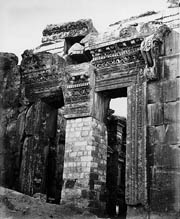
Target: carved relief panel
[[42, 75], [78, 90]]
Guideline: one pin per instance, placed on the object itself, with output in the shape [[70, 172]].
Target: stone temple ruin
[[58, 135]]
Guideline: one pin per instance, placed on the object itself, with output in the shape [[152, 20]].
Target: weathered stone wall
[[41, 130], [9, 103], [38, 128], [31, 136], [163, 132], [85, 163]]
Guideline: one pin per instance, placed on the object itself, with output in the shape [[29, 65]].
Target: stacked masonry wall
[[164, 132], [85, 163]]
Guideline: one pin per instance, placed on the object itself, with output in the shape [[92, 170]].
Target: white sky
[[22, 21], [119, 105]]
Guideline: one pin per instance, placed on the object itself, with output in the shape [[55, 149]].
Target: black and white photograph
[[89, 109]]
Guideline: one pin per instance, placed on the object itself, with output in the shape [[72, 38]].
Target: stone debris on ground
[[15, 205]]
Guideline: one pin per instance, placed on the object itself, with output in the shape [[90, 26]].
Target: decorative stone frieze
[[78, 90], [116, 54], [42, 75]]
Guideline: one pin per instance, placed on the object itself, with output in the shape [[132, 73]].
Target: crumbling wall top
[[70, 29]]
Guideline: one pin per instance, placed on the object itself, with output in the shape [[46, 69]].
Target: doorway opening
[[116, 156]]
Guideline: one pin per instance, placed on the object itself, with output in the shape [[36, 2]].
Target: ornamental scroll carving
[[151, 49]]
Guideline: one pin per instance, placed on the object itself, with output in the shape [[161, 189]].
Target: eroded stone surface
[[93, 69]]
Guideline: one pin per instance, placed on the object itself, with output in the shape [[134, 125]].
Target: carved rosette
[[77, 91], [42, 75], [151, 50]]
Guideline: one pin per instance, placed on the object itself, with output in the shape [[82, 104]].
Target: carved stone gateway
[[130, 74], [121, 65], [137, 59]]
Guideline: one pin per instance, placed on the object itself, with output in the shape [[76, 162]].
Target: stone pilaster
[[85, 163]]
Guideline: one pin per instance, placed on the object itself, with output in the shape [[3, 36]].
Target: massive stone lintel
[[43, 76]]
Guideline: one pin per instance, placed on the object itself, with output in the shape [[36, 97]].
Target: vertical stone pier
[[85, 163]]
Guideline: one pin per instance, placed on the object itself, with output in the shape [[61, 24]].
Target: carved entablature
[[151, 50], [42, 75], [77, 90], [118, 61], [127, 51], [123, 55]]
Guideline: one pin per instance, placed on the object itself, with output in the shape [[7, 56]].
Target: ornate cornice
[[117, 54], [128, 57], [118, 61]]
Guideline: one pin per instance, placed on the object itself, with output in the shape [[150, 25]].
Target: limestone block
[[172, 43], [84, 133], [160, 134], [154, 92], [164, 194], [155, 114], [170, 90], [170, 112], [171, 134], [166, 156], [171, 67]]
